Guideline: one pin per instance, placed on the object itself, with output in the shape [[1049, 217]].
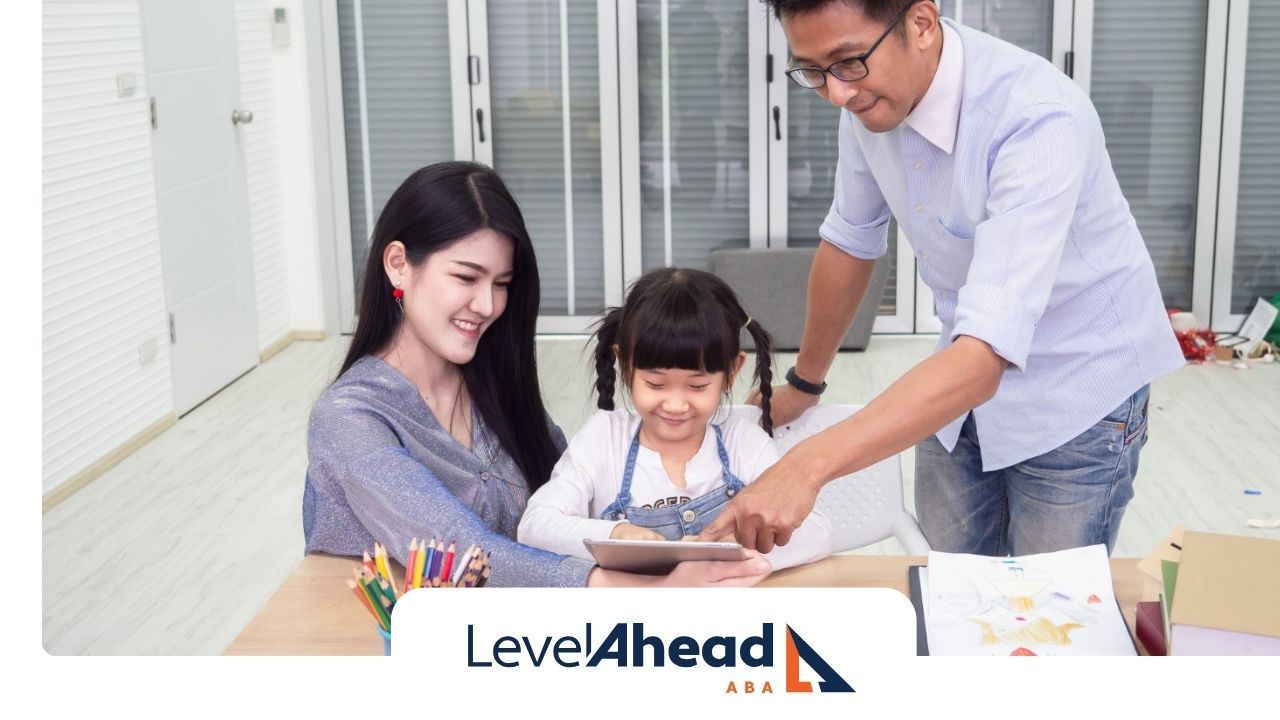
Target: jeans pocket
[[1138, 426]]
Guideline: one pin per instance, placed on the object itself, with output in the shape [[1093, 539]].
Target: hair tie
[[748, 322]]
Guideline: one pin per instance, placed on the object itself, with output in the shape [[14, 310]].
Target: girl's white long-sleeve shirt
[[568, 508]]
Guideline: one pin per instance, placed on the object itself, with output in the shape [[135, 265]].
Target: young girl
[[667, 470]]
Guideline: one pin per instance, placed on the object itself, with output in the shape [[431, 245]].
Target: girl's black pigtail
[[764, 371], [606, 376]]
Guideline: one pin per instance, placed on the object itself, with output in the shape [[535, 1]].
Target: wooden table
[[313, 612]]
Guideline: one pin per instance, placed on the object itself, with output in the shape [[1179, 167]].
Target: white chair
[[864, 507]]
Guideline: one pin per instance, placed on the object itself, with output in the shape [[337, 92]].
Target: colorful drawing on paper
[[1053, 603]]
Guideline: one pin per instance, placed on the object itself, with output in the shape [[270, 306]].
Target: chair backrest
[[863, 507]]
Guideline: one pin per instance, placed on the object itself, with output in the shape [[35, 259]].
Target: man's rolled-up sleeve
[[1035, 183], [858, 221]]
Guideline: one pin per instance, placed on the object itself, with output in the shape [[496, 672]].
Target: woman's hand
[[719, 573], [627, 531], [692, 573]]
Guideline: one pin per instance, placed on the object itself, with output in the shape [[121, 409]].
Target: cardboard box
[[1228, 596]]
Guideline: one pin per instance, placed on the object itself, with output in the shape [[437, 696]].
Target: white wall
[[278, 167], [263, 176], [296, 155], [103, 290], [103, 296]]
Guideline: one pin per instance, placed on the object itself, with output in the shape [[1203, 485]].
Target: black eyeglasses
[[848, 69]]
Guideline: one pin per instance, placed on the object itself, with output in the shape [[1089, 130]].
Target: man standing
[[1031, 414]]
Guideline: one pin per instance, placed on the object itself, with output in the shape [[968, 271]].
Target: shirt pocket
[[956, 231], [949, 255]]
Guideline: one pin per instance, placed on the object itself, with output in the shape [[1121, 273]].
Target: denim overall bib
[[676, 521]]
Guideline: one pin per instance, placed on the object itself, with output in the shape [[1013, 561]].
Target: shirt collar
[[937, 115]]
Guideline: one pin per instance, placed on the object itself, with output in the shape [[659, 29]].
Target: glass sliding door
[[693, 118], [1025, 23], [1147, 83], [543, 76], [397, 104], [1255, 268]]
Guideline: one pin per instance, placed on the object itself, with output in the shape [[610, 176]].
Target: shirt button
[[919, 164], [920, 207], [484, 475], [688, 515]]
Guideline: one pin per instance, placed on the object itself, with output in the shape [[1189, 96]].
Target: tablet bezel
[[658, 557]]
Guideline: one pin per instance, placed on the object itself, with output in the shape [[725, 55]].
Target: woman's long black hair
[[679, 318], [433, 208]]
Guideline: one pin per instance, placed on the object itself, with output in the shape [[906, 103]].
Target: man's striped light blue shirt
[[1015, 215]]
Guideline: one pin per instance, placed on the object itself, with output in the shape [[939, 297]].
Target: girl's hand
[[627, 531]]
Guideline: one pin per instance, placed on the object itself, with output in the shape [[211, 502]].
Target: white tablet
[[657, 557]]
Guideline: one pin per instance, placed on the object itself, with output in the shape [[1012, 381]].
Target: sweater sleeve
[[397, 498], [558, 517]]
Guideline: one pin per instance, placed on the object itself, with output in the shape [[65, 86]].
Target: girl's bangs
[[680, 340]]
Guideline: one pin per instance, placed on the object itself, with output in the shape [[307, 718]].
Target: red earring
[[397, 293]]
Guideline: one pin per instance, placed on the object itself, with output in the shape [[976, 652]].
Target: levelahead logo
[[762, 646], [629, 645]]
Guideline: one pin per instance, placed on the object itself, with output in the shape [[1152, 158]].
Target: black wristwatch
[[804, 386]]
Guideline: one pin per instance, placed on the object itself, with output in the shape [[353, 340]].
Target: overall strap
[[620, 503], [731, 481]]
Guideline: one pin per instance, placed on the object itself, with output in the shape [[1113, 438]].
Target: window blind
[[693, 129], [1257, 250], [1148, 88], [408, 104], [533, 47]]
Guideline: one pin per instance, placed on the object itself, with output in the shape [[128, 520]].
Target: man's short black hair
[[883, 11]]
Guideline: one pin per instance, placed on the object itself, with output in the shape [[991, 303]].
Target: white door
[[190, 58]]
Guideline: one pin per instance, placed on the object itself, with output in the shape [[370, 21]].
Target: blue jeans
[[1068, 497]]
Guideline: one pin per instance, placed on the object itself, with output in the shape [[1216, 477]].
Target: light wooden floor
[[176, 548]]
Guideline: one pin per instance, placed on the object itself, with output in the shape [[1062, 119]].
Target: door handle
[[241, 117], [480, 122], [777, 122]]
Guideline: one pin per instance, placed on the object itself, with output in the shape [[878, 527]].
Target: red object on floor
[[1021, 652], [1196, 344], [1151, 628]]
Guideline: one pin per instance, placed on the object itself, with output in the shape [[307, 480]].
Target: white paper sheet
[[1059, 603]]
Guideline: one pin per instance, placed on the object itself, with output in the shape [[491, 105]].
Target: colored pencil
[[420, 564], [434, 569], [410, 564], [364, 600], [462, 565], [431, 556], [383, 617], [385, 561], [447, 565]]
